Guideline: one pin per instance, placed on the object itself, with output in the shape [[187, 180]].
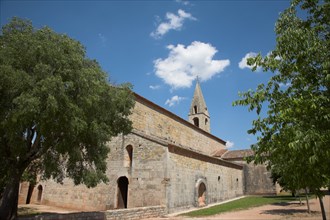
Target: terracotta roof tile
[[219, 153], [237, 154]]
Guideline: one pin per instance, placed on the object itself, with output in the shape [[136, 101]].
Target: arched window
[[196, 122], [129, 150], [206, 121], [128, 158]]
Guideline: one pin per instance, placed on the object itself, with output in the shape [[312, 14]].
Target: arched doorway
[[39, 193], [201, 195], [122, 192]]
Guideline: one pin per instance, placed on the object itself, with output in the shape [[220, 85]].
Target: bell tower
[[198, 114]]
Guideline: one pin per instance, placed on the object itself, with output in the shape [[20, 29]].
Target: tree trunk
[[30, 191], [9, 200], [324, 217], [307, 202], [298, 194]]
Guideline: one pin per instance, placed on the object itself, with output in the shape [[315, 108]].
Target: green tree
[[57, 110], [294, 136]]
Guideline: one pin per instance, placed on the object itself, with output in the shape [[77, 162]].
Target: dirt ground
[[44, 209], [288, 211]]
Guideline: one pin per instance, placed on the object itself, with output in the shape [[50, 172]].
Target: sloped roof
[[149, 103], [202, 157], [219, 153], [237, 154]]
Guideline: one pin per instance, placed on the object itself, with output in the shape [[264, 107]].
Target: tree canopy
[[57, 109], [294, 136]]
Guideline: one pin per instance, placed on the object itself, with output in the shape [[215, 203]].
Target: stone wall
[[69, 216], [223, 181], [257, 180], [79, 197], [22, 193], [158, 122], [136, 213], [145, 173], [122, 214]]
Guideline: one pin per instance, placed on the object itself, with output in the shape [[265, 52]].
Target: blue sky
[[161, 46]]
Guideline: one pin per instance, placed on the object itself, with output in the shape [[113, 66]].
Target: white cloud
[[183, 2], [184, 64], [229, 144], [154, 87], [175, 100], [102, 38], [174, 22], [243, 63]]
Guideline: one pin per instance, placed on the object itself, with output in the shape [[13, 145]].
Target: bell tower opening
[[196, 122], [195, 109]]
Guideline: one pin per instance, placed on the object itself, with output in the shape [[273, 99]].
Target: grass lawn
[[25, 211], [244, 203]]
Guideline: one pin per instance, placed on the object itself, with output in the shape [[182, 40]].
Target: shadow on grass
[[283, 198]]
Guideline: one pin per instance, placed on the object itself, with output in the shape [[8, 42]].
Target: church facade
[[165, 161]]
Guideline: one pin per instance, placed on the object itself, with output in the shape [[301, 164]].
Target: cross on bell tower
[[198, 114]]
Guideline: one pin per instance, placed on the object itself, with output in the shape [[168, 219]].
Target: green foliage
[[243, 203], [294, 137], [57, 108]]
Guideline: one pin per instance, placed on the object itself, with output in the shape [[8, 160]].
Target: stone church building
[[166, 162]]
